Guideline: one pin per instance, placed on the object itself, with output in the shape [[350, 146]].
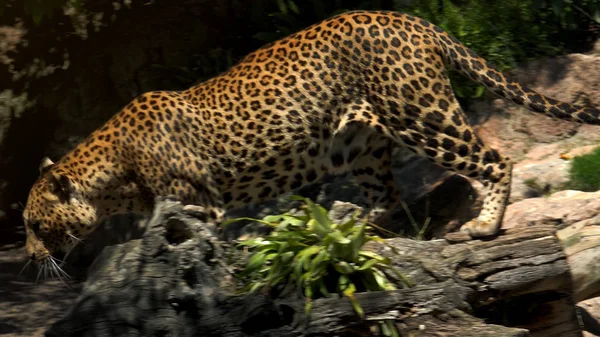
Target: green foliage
[[40, 10], [419, 230], [503, 32], [570, 12], [584, 172], [318, 257]]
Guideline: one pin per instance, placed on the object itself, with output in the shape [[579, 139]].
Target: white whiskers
[[77, 240], [50, 268], [41, 268], [59, 272], [74, 237], [24, 267]]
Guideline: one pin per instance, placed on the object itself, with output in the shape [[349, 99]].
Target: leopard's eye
[[35, 226]]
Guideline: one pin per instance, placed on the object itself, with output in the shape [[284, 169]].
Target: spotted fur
[[334, 97]]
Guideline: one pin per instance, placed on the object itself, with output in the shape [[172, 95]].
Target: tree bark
[[176, 281]]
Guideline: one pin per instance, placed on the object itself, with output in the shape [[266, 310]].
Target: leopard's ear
[[61, 186], [45, 164]]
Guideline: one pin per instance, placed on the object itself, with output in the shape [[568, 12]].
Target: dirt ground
[[27, 308]]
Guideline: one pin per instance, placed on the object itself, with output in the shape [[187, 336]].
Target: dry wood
[[173, 282]]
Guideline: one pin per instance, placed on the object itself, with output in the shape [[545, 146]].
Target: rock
[[589, 313], [560, 209], [113, 231], [535, 142], [543, 171], [342, 212], [536, 178], [572, 209]]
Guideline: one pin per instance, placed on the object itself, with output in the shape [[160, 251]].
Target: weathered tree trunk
[[175, 282]]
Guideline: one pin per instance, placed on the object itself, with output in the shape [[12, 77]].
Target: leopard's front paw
[[480, 228]]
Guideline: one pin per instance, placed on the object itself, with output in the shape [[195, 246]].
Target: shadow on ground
[[27, 308]]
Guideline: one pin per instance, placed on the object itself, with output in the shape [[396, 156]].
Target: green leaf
[[348, 224], [279, 278], [376, 239], [389, 328], [343, 282], [338, 237], [372, 255], [323, 288], [308, 308], [276, 219], [271, 256], [303, 258], [282, 6], [367, 265], [400, 276], [298, 198], [357, 307], [256, 286], [596, 16], [283, 246], [293, 7], [255, 242], [479, 91], [256, 261], [315, 227], [381, 280], [308, 291], [286, 221], [230, 221], [286, 257], [298, 268], [301, 280], [357, 241], [319, 264], [319, 214], [343, 267], [350, 290], [558, 7]]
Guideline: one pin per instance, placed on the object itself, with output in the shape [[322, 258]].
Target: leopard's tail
[[479, 70]]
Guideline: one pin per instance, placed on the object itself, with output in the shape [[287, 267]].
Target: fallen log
[[176, 281]]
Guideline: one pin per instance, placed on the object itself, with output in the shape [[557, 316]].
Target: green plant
[[419, 230], [532, 183], [570, 12], [503, 32], [318, 257], [500, 31], [584, 172], [39, 10]]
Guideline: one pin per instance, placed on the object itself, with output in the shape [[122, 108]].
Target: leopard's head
[[56, 215]]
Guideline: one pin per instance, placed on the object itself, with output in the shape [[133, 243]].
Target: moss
[[585, 172]]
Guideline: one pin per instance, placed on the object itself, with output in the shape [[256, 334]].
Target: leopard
[[336, 97]]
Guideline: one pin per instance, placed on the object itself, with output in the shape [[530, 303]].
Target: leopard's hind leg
[[438, 130]]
